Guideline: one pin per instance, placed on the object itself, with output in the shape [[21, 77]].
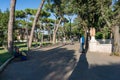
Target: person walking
[[82, 41]]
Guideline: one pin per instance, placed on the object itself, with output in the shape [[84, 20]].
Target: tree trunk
[[54, 37], [116, 45], [50, 38], [34, 23], [27, 34], [42, 40], [86, 38], [10, 26], [55, 31], [49, 35]]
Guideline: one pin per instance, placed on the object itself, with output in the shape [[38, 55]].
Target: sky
[[20, 4], [23, 4]]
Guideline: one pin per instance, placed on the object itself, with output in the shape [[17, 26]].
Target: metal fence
[[105, 41]]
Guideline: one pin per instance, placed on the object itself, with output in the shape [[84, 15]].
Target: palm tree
[[10, 25], [34, 23]]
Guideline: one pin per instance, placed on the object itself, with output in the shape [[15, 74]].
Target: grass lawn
[[23, 45], [4, 55]]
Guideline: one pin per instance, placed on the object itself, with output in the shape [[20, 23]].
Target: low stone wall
[[102, 48]]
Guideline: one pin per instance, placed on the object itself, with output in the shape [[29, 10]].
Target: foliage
[[3, 26], [110, 11], [105, 33], [115, 54], [99, 35]]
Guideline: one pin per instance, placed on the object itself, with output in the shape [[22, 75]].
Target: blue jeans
[[82, 47]]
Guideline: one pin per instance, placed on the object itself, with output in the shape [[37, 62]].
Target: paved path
[[63, 63], [96, 66]]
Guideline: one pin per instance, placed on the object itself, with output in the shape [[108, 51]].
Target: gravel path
[[63, 63]]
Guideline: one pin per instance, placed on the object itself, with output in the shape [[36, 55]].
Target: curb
[[5, 63]]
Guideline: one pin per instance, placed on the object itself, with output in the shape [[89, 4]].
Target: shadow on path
[[52, 64], [80, 70], [85, 71]]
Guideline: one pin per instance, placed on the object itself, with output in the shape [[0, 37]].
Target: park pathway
[[63, 63]]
